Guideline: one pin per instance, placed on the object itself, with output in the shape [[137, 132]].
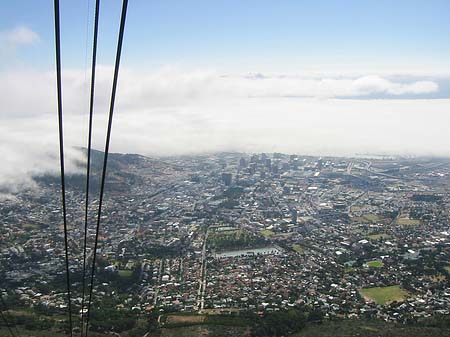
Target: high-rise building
[[275, 166], [263, 174], [268, 164], [252, 168], [254, 159], [294, 216], [320, 163], [295, 164], [227, 178]]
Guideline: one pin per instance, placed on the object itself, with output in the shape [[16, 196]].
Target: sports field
[[298, 248], [267, 233], [375, 264], [407, 222], [374, 237], [384, 295]]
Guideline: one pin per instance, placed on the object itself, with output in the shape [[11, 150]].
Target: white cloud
[[32, 92], [18, 36], [368, 85], [169, 87], [174, 112], [28, 147], [169, 83]]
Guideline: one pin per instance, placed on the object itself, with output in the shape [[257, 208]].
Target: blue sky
[[241, 35]]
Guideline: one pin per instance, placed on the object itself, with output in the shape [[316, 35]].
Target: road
[[202, 280], [155, 301]]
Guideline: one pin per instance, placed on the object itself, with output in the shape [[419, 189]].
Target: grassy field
[[125, 273], [267, 233], [375, 264], [384, 295], [298, 248], [29, 226], [203, 331], [192, 325], [367, 217], [375, 328], [447, 268], [407, 222], [184, 319], [374, 237], [371, 217]]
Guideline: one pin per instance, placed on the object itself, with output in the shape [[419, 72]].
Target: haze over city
[[324, 79]]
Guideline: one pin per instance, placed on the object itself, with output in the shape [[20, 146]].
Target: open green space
[[182, 319], [203, 330], [447, 268], [29, 226], [192, 325], [267, 233], [374, 237], [384, 295], [407, 222], [375, 264], [125, 273], [239, 239], [298, 248], [367, 217], [371, 217]]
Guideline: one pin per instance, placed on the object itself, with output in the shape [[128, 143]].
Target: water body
[[248, 252]]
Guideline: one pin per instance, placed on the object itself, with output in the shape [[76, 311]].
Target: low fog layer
[[170, 111]]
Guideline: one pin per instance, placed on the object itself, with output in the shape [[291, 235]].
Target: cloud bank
[[17, 37], [172, 111]]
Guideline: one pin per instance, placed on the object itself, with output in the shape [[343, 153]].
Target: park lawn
[[447, 268], [298, 248], [367, 217], [202, 330], [371, 217], [184, 319], [125, 273], [29, 226], [384, 295], [407, 221], [375, 264], [267, 233], [374, 237]]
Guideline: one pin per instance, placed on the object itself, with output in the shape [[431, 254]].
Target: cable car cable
[[88, 167], [61, 151], [105, 159]]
